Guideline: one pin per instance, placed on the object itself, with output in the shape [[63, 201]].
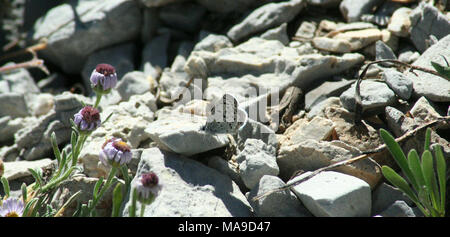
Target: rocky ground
[[308, 51]]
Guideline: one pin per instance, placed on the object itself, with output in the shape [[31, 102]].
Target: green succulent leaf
[[29, 205], [56, 150], [5, 184], [442, 70], [97, 187], [117, 200], [398, 155], [441, 167], [37, 175], [23, 188], [427, 140], [430, 179], [416, 168], [399, 182]]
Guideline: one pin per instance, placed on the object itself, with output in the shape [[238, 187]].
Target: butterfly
[[225, 116]]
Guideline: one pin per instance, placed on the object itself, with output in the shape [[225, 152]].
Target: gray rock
[[210, 192], [382, 14], [324, 91], [19, 169], [400, 23], [319, 108], [121, 57], [325, 3], [306, 30], [427, 20], [256, 130], [332, 45], [278, 204], [398, 209], [266, 17], [72, 38], [17, 81], [318, 129], [9, 126], [213, 43], [384, 196], [184, 50], [13, 105], [408, 55], [228, 168], [157, 3], [180, 133], [150, 23], [400, 84], [352, 10], [310, 155], [154, 54], [397, 121], [133, 83], [435, 88], [255, 161], [174, 15], [278, 33], [332, 194], [382, 51], [265, 63], [225, 6], [374, 95]]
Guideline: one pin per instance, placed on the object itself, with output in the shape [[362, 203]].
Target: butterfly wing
[[223, 115]]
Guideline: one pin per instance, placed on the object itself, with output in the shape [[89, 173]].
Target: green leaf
[[117, 200], [34, 212], [399, 182], [398, 156], [443, 71], [24, 192], [56, 150], [5, 184], [416, 168], [428, 173], [441, 167], [97, 187], [107, 118], [37, 176], [29, 205], [69, 201], [427, 140]]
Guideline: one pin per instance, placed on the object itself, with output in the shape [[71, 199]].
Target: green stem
[[77, 148], [143, 209], [108, 183], [97, 100]]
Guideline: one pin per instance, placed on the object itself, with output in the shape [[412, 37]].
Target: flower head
[[147, 187], [103, 78], [87, 119], [115, 152], [11, 207]]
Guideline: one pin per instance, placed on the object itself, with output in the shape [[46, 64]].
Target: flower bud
[[87, 119], [103, 78]]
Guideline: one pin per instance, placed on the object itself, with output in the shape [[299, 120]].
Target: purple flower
[[115, 152], [11, 207], [87, 119], [103, 78], [147, 187]]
